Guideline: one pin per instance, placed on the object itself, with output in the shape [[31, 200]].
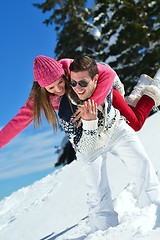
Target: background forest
[[122, 33]]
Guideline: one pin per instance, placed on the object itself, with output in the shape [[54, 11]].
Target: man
[[99, 134]]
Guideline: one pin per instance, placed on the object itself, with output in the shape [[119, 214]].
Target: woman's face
[[57, 88]]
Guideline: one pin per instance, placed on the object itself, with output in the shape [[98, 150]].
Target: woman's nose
[[57, 88]]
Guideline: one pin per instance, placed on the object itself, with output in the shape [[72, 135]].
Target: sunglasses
[[81, 83]]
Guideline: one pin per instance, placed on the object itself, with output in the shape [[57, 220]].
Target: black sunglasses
[[81, 83]]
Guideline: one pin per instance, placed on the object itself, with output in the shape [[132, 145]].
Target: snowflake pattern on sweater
[[90, 135]]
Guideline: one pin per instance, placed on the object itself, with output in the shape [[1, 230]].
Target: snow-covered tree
[[130, 32], [72, 21]]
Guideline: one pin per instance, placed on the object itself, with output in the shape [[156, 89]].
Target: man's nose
[[77, 86]]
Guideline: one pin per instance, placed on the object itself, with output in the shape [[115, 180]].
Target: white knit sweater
[[94, 134]]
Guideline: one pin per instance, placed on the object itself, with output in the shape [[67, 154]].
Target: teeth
[[80, 92]]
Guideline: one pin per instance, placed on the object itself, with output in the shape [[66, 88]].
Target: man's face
[[83, 84]]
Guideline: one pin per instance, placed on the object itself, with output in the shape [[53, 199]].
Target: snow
[[58, 201], [94, 31]]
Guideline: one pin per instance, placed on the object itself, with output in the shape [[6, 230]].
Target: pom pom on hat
[[47, 70]]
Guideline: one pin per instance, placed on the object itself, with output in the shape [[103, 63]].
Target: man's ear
[[95, 79]]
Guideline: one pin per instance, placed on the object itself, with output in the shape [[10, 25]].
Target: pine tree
[[130, 33], [73, 26]]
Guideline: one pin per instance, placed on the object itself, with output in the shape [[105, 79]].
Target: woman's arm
[[106, 76], [23, 118], [66, 64]]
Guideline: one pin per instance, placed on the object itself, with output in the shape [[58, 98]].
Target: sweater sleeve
[[65, 64], [106, 76], [23, 118], [88, 140]]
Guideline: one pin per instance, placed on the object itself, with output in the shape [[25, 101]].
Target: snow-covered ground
[[58, 201]]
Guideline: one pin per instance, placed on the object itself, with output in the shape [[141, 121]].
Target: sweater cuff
[[90, 125]]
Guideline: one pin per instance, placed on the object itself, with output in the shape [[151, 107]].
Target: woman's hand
[[88, 111], [78, 114]]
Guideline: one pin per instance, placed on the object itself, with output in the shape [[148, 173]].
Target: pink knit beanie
[[47, 70]]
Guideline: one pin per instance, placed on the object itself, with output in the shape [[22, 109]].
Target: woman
[[50, 77]]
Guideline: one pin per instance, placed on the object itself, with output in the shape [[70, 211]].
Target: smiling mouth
[[81, 92], [61, 91]]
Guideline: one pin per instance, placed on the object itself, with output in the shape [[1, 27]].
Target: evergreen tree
[[129, 37], [67, 155], [73, 26]]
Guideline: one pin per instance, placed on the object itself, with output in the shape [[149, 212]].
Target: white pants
[[125, 145]]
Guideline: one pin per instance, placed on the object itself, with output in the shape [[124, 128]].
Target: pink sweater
[[25, 115]]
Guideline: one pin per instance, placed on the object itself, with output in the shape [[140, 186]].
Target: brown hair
[[42, 103], [83, 63]]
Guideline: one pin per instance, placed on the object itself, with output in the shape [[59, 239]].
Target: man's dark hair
[[84, 63]]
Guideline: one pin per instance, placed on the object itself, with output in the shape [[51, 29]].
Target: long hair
[[42, 104]]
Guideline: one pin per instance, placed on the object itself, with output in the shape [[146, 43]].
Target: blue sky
[[30, 155]]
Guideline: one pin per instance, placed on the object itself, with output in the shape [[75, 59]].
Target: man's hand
[[89, 110]]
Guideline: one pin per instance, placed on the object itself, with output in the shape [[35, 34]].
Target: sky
[[29, 156], [61, 199]]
